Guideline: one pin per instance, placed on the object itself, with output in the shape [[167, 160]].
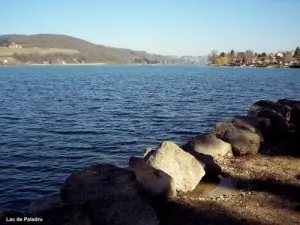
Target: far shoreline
[[133, 64]]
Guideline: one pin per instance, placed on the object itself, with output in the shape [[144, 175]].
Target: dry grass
[[35, 50]]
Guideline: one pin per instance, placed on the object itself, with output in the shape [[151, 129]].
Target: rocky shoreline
[[181, 184]]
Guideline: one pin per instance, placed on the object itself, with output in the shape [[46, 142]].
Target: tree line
[[5, 42], [249, 56]]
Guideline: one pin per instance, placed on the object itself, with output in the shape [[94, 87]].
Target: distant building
[[279, 55], [14, 45], [279, 58], [293, 53]]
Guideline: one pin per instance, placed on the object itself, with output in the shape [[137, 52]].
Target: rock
[[295, 110], [113, 193], [258, 125], [148, 152], [154, 181], [269, 105], [243, 141], [209, 144], [278, 123], [211, 168], [184, 168], [44, 203]]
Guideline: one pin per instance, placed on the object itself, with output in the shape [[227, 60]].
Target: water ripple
[[56, 120]]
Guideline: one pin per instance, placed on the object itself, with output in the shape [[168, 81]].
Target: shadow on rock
[[212, 169], [289, 146]]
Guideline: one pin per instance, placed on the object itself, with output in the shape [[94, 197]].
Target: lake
[[58, 119]]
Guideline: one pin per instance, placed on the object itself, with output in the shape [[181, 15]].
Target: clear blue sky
[[174, 27]]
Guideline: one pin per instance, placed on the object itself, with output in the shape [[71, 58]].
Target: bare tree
[[287, 57], [249, 55], [213, 56], [231, 56]]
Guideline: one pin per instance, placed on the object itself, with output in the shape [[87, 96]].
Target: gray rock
[[258, 125], [209, 144], [211, 168], [269, 105], [290, 103], [278, 123], [295, 110], [243, 142], [113, 193], [44, 203], [148, 152], [184, 168], [154, 181]]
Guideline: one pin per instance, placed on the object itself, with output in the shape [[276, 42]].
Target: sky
[[169, 27]]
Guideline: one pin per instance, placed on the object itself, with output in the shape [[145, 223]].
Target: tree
[[249, 55], [5, 42], [231, 56], [262, 56], [221, 61], [270, 57], [297, 53], [240, 55], [287, 58], [244, 59], [213, 56], [222, 54]]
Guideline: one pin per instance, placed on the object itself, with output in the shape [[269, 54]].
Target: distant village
[[8, 44], [286, 59]]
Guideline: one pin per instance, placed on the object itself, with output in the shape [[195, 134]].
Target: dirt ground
[[268, 192]]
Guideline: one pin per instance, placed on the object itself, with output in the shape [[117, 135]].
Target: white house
[[293, 53], [279, 55]]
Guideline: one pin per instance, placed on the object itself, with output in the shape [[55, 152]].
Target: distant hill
[[53, 48]]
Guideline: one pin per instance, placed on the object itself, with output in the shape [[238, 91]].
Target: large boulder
[[211, 168], [44, 203], [270, 105], [258, 125], [209, 144], [243, 142], [184, 168], [295, 110], [113, 194], [154, 181], [278, 123]]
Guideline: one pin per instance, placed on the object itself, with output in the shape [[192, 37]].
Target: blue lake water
[[58, 119]]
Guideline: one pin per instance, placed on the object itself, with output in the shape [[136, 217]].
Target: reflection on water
[[212, 187]]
